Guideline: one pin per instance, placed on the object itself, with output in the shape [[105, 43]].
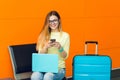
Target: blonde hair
[[46, 30]]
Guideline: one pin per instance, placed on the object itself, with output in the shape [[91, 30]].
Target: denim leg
[[37, 76], [60, 75], [48, 76], [55, 76]]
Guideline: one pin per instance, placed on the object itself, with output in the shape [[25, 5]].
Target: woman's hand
[[56, 44], [51, 44], [48, 44]]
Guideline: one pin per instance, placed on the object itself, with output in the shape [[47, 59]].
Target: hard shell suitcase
[[91, 67]]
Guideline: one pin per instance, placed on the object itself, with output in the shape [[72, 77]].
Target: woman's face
[[53, 23]]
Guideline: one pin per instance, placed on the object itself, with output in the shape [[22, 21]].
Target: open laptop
[[45, 62]]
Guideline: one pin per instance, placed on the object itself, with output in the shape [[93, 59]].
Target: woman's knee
[[48, 76], [36, 76]]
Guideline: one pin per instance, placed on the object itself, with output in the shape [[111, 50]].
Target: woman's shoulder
[[65, 33]]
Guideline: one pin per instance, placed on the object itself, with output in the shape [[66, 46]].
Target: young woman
[[53, 40]]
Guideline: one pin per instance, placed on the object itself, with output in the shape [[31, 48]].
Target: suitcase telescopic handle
[[94, 42], [91, 42]]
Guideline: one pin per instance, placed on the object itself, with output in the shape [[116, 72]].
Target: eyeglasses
[[53, 21]]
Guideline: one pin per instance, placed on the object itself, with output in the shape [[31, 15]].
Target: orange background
[[22, 20]]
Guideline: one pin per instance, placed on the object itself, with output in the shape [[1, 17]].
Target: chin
[[54, 28]]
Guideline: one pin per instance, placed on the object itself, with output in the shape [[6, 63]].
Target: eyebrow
[[53, 19]]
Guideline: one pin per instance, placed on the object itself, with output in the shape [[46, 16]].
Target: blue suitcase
[[91, 67]]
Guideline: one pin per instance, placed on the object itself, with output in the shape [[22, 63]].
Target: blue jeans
[[48, 76]]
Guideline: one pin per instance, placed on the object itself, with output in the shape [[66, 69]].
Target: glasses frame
[[53, 21]]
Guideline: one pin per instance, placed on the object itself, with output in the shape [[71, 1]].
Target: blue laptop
[[45, 62]]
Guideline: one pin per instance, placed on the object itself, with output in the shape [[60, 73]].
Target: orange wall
[[22, 20]]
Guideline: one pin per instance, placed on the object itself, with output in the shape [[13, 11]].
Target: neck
[[56, 30]]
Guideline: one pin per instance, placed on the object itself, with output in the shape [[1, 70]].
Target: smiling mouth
[[53, 25]]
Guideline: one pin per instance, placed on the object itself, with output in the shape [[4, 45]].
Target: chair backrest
[[21, 57]]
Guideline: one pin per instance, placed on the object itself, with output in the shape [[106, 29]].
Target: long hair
[[46, 30]]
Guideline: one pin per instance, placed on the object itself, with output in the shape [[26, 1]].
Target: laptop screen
[[45, 62]]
